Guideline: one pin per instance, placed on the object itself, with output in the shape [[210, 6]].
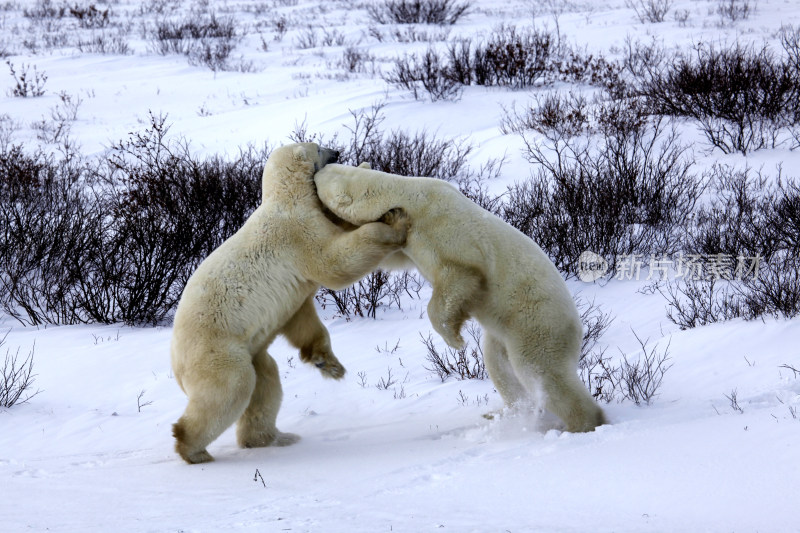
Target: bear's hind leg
[[256, 427], [548, 369], [211, 411], [456, 291], [568, 398], [495, 357]]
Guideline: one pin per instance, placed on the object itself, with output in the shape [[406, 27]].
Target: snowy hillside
[[391, 447]]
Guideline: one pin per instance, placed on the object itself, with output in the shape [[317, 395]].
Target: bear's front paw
[[451, 335], [455, 341], [331, 369], [399, 220], [394, 216]]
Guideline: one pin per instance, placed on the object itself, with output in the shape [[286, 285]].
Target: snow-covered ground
[[93, 451]]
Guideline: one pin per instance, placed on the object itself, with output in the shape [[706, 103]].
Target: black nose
[[335, 156]]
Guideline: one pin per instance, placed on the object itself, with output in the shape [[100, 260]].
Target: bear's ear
[[365, 164], [299, 153]]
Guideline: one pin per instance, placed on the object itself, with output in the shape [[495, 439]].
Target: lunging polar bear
[[479, 267], [258, 284]]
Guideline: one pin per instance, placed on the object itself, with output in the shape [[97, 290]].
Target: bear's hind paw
[[269, 438], [285, 439], [195, 458]]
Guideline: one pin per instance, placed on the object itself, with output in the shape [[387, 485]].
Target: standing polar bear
[[258, 284], [479, 267]]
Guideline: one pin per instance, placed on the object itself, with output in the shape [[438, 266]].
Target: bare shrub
[[598, 375], [157, 7], [17, 378], [555, 114], [512, 58], [650, 10], [627, 190], [795, 371], [640, 59], [754, 226], [508, 58], [27, 85], [734, 221], [170, 210], [332, 37], [45, 9], [775, 290], [734, 401], [734, 10], [790, 41], [629, 379], [682, 17], [581, 67], [412, 34], [115, 239], [743, 98], [105, 43], [418, 11], [784, 217], [90, 16], [420, 154], [388, 381], [378, 289], [427, 72], [307, 38], [593, 365], [696, 302], [355, 60], [639, 380], [48, 229], [56, 130], [595, 323], [207, 42], [465, 363]]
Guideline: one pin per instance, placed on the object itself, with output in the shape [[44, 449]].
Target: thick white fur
[[258, 284], [479, 267]]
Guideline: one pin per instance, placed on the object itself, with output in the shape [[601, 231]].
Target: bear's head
[[290, 168], [357, 194]]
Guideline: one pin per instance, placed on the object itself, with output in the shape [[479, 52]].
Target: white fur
[[258, 284], [479, 267]]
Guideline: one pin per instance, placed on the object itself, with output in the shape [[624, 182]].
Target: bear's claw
[[333, 370]]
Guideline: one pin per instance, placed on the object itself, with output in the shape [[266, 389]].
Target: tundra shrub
[[744, 98], [115, 239], [626, 190], [207, 42], [418, 11]]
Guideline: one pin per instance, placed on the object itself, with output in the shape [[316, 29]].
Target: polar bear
[[483, 268], [258, 284]]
